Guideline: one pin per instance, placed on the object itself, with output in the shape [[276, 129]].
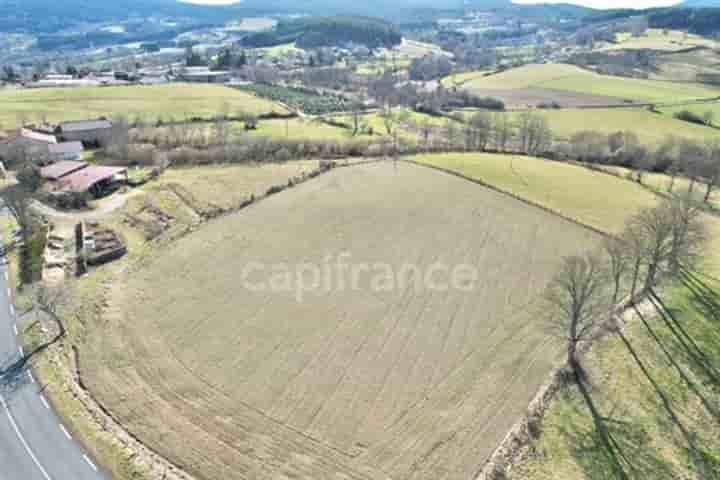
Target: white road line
[[12, 309], [7, 278], [15, 329], [9, 292], [32, 379], [22, 440], [89, 462], [44, 402], [22, 353], [64, 430]]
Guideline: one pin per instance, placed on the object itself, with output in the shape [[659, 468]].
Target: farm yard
[[151, 103], [573, 86], [272, 389]]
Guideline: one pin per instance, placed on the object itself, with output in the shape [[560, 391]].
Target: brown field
[[367, 383], [531, 97]]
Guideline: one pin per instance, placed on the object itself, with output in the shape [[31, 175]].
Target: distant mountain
[[700, 3]]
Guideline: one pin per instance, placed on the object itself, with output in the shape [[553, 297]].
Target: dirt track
[[231, 383]]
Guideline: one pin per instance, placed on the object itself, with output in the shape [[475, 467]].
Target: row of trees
[[695, 160], [584, 295]]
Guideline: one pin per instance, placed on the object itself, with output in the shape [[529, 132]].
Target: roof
[[83, 125], [60, 169], [66, 147], [82, 180], [29, 134]]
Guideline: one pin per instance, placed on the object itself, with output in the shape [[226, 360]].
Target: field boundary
[[513, 195]]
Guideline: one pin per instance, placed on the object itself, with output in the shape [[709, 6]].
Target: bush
[[688, 116]]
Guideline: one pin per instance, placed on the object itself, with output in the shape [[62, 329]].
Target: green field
[[594, 198], [574, 79], [651, 128], [656, 39], [300, 129], [697, 108], [148, 102]]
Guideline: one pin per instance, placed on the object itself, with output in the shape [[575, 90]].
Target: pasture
[[172, 101], [568, 84], [362, 383], [593, 198], [657, 39]]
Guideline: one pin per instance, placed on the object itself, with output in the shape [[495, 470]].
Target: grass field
[[149, 102], [697, 108], [568, 78], [300, 129], [594, 198], [650, 127], [365, 383], [656, 39]]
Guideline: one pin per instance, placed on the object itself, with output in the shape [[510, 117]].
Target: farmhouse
[[26, 142], [89, 132], [78, 177], [203, 75], [65, 151]]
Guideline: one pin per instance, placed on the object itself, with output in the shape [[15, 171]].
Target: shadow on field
[[629, 450]]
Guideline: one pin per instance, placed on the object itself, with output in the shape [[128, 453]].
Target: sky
[[610, 3], [588, 3]]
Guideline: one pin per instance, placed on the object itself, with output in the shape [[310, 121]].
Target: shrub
[[688, 116]]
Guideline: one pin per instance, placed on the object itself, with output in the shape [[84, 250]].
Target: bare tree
[[642, 162], [710, 168], [688, 231], [655, 229], [482, 123], [578, 302], [692, 156], [502, 131], [535, 134], [617, 255]]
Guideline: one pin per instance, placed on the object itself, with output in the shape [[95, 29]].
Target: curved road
[[34, 445]]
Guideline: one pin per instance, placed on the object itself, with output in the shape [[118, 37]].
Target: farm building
[[33, 145], [89, 132], [203, 75], [58, 170], [69, 176], [65, 151]]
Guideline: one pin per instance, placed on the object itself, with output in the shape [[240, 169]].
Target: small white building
[[27, 144], [203, 75]]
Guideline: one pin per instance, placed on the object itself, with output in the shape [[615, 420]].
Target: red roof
[[82, 180], [60, 169]]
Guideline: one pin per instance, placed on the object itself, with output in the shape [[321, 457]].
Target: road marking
[[22, 354], [64, 430], [44, 402], [15, 329], [12, 309], [89, 462], [32, 379], [9, 292], [7, 278], [22, 439]]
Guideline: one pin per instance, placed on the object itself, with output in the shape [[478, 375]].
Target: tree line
[[584, 296]]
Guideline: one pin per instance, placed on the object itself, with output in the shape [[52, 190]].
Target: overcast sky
[[611, 3]]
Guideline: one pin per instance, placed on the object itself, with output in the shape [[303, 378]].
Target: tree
[[250, 120], [654, 230], [502, 131], [578, 301], [692, 156], [641, 161], [535, 134], [589, 146], [688, 231], [616, 252], [710, 167], [482, 124]]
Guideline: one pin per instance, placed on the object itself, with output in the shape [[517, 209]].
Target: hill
[[328, 31]]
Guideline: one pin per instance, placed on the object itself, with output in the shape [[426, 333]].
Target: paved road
[[34, 445]]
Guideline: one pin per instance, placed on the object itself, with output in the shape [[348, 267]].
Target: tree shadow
[[14, 369], [638, 461], [671, 359]]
